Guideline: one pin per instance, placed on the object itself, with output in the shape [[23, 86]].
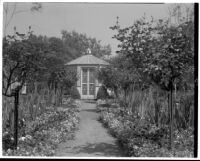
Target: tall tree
[[21, 59], [75, 45], [159, 50]]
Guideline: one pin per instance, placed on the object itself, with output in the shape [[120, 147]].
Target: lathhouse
[[86, 67]]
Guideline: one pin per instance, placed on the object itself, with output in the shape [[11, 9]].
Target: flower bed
[[139, 138], [42, 135]]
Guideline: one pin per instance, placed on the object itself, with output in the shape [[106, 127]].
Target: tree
[[181, 12], [174, 56], [21, 59], [109, 77], [60, 81], [75, 45], [158, 50]]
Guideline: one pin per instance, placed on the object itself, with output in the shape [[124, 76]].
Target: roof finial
[[88, 51]]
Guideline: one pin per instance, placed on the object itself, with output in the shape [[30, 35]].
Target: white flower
[[135, 147], [5, 133], [9, 151], [180, 29], [145, 26], [22, 138], [29, 137]]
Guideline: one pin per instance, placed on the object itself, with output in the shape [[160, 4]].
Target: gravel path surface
[[92, 139]]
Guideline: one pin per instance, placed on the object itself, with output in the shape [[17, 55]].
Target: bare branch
[[8, 95], [20, 11], [5, 7], [10, 77], [13, 13], [6, 17]]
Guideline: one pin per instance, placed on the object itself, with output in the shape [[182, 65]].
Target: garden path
[[92, 139]]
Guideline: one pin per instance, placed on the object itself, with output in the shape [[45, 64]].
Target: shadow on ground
[[104, 105], [90, 110], [101, 149], [90, 101]]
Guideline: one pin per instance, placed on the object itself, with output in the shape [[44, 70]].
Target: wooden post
[[16, 104], [168, 97], [171, 117], [61, 96], [175, 91], [156, 110]]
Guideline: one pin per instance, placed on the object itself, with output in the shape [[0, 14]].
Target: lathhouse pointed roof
[[88, 59]]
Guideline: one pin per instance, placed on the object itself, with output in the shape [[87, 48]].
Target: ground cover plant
[[142, 137], [41, 136]]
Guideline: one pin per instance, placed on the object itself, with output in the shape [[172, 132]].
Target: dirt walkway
[[92, 139]]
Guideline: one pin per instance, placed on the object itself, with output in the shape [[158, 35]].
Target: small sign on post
[[23, 91], [14, 86]]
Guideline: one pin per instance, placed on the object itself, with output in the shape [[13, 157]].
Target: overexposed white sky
[[93, 19]]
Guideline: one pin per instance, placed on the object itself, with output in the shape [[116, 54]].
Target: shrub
[[102, 93], [184, 110], [44, 133], [74, 93]]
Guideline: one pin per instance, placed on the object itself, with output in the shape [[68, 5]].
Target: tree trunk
[[116, 93], [175, 91], [125, 97], [61, 96], [156, 111], [16, 104], [168, 101], [55, 95], [171, 117]]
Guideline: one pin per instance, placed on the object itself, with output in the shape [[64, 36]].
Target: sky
[[92, 19]]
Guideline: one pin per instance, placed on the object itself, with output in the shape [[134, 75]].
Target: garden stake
[[171, 116], [16, 104]]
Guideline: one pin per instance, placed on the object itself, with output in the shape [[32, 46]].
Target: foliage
[[75, 44], [102, 93], [74, 93], [63, 78], [184, 111], [43, 134], [139, 138], [156, 52], [162, 51], [109, 78], [44, 58], [20, 60]]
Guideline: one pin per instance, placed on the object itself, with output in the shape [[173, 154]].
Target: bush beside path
[[41, 136], [140, 138]]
